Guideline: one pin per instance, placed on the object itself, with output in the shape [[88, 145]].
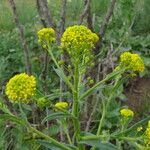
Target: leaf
[[51, 146], [48, 145], [57, 94], [146, 61], [98, 144], [134, 127], [11, 118], [61, 74], [57, 115], [110, 76], [52, 131]]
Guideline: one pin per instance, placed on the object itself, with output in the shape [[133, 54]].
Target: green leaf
[[51, 146], [57, 115], [134, 127], [4, 108], [146, 61], [48, 145], [15, 119], [100, 145], [57, 94], [61, 74], [110, 76], [52, 131]]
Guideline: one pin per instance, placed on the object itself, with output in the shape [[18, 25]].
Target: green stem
[[105, 108], [60, 145], [75, 109], [23, 115], [108, 77], [40, 134], [75, 93], [93, 137], [64, 125], [68, 137], [118, 144], [60, 69], [98, 137], [102, 118]]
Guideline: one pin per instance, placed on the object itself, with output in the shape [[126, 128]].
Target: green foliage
[[10, 55]]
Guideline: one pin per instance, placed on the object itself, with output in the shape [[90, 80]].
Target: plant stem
[[118, 144], [39, 133], [23, 115], [108, 77], [75, 109], [96, 137], [102, 118], [105, 107], [75, 90], [60, 145], [68, 137], [60, 69]]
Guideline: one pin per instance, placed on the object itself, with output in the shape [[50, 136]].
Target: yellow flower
[[147, 134], [42, 102], [78, 40], [46, 37], [62, 105], [127, 113], [133, 62], [78, 37], [139, 129], [20, 88]]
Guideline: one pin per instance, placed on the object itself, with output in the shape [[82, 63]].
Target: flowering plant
[[78, 42]]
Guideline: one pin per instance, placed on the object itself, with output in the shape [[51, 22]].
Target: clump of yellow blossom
[[46, 37], [133, 62], [139, 129], [21, 87], [147, 134], [127, 113], [42, 102], [61, 105], [78, 40]]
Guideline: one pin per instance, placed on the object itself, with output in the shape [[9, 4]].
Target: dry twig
[[22, 37], [85, 11]]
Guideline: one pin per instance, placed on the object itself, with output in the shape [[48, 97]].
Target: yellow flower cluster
[[61, 105], [78, 40], [139, 129], [42, 102], [133, 62], [46, 37], [127, 113], [20, 88], [147, 133], [78, 37]]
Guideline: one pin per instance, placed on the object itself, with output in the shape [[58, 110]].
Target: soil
[[137, 93]]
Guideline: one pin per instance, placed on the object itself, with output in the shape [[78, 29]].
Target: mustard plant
[[78, 41]]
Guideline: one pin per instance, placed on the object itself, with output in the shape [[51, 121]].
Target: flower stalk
[[55, 142], [75, 109]]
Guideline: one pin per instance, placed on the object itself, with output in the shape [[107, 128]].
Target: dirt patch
[[138, 96]]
